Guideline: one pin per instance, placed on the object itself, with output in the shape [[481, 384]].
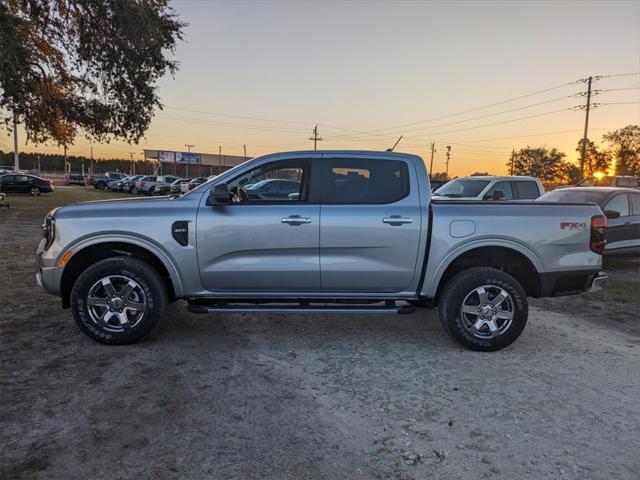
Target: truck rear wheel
[[483, 308], [118, 300]]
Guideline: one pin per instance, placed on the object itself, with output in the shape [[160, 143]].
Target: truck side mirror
[[219, 194], [611, 214]]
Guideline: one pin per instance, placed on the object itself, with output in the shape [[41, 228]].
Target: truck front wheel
[[483, 308], [118, 300]]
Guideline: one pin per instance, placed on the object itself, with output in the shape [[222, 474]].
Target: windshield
[[598, 182], [462, 187], [571, 196]]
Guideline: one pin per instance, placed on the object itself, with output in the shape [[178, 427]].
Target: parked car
[[491, 188], [128, 184], [101, 181], [436, 184], [621, 206], [381, 241], [273, 189], [622, 181], [173, 189], [74, 179], [21, 183], [148, 184], [195, 182]]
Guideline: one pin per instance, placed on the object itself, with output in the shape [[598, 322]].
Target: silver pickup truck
[[361, 234]]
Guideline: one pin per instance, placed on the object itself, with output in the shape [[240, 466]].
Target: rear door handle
[[396, 220], [295, 220]]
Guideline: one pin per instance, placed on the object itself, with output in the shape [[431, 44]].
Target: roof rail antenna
[[394, 145]]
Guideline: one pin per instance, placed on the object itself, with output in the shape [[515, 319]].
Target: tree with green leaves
[[625, 147], [596, 160], [546, 164], [84, 66]]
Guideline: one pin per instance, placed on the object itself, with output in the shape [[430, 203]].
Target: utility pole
[[219, 159], [511, 160], [132, 170], [448, 158], [91, 166], [67, 166], [433, 150], [189, 146], [315, 137], [245, 151], [16, 158], [586, 129]]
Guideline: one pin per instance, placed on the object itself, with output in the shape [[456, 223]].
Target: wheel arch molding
[[515, 259], [98, 248]]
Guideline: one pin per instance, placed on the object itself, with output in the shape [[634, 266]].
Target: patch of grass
[[30, 207], [622, 292]]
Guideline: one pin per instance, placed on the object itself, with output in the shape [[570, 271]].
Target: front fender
[[144, 242]]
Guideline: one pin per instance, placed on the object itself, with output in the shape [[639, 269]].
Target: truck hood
[[125, 206]]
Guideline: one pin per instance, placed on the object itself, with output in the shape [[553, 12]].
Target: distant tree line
[[52, 162], [621, 151]]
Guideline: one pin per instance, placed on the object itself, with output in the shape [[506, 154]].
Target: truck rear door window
[[504, 187], [365, 181], [526, 190], [635, 203]]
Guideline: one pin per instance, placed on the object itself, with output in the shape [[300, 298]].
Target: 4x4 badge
[[573, 226]]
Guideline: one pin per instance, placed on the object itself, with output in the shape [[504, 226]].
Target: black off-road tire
[[464, 284], [101, 185], [146, 277]]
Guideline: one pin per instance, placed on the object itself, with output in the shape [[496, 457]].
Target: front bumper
[[598, 282], [49, 274]]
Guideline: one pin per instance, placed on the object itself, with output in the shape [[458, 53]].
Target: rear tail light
[[598, 241]]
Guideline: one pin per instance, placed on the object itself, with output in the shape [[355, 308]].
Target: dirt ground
[[313, 396]]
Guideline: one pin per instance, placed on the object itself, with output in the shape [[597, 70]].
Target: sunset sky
[[264, 73]]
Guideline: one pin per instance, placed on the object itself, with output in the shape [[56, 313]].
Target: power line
[[217, 114], [503, 112], [231, 124], [513, 99]]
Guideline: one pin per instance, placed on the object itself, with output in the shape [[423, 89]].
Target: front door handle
[[396, 220], [295, 220]]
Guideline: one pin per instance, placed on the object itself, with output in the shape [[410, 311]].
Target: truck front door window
[[276, 182]]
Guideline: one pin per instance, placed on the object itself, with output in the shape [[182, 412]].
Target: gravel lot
[[313, 396]]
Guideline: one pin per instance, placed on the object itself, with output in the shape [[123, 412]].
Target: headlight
[[49, 228]]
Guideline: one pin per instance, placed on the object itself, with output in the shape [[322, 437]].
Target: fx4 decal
[[572, 225]]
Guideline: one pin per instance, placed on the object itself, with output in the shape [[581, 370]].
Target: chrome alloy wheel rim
[[487, 311], [116, 303]]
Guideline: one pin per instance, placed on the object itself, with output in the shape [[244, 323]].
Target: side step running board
[[247, 308]]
